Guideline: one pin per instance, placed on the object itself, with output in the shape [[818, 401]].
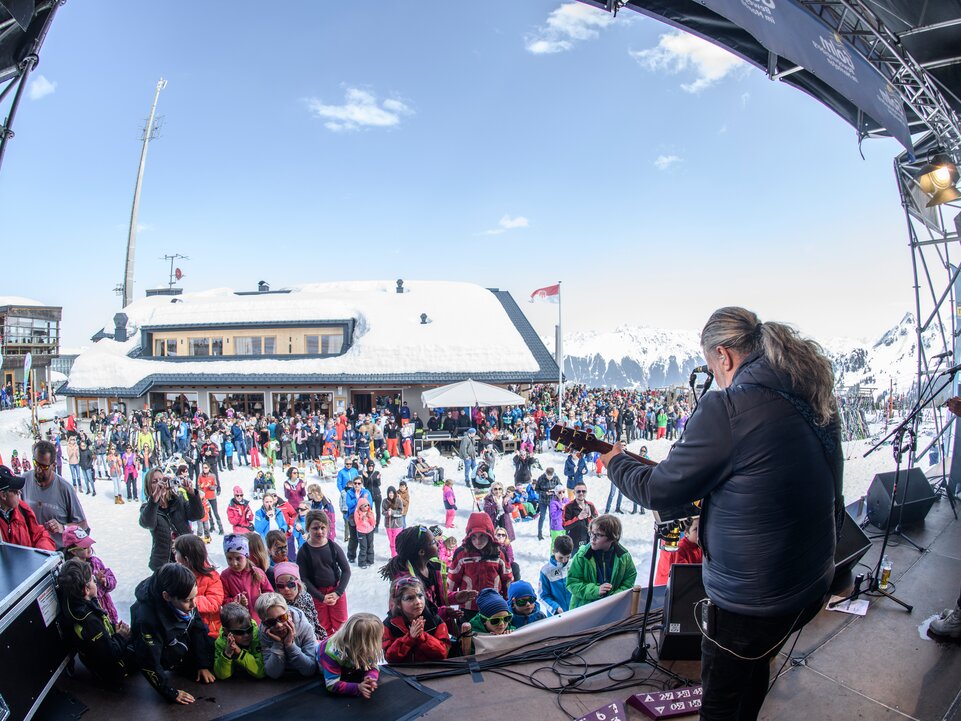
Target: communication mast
[[149, 132]]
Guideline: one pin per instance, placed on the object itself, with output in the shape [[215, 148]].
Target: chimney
[[120, 327], [400, 285], [263, 286]]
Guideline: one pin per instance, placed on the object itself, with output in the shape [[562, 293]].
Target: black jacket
[[768, 519], [165, 524], [162, 641], [88, 630]]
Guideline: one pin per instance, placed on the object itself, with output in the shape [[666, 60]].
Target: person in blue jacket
[[553, 578], [764, 456], [575, 468], [355, 492], [269, 517], [523, 604]]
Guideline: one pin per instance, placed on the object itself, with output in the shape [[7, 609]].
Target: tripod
[[642, 652]]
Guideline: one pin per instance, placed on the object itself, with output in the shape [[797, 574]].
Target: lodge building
[[308, 348]]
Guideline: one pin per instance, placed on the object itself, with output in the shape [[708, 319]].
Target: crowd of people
[[280, 605]]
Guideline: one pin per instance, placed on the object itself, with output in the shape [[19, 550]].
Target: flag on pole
[[552, 294]]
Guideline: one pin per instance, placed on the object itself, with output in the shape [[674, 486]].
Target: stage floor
[[880, 666]]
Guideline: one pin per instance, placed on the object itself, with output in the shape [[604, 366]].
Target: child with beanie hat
[[479, 562], [243, 582], [523, 604], [288, 584], [493, 614]]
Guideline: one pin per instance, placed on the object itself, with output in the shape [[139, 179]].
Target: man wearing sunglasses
[[50, 496]]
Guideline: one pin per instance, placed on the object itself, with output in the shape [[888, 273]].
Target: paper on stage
[[857, 608]]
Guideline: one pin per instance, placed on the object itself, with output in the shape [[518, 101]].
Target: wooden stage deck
[[880, 666]]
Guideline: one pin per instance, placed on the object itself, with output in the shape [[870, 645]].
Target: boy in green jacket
[[238, 645], [602, 568]]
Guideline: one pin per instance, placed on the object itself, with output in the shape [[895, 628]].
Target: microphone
[[946, 354], [707, 383], [705, 369], [952, 370]]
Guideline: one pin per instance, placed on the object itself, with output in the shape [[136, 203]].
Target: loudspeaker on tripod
[[914, 500]]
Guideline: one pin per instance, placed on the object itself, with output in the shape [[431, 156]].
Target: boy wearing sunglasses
[[493, 614], [523, 604], [238, 645]]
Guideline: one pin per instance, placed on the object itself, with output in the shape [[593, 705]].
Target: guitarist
[[764, 454]]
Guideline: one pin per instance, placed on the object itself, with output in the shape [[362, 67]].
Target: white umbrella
[[467, 394]]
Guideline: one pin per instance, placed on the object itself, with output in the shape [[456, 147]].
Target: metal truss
[[859, 25], [14, 80], [933, 235]]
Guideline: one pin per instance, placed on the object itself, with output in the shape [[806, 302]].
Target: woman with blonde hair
[[764, 454]]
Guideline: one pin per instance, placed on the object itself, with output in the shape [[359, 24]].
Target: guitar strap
[[828, 444]]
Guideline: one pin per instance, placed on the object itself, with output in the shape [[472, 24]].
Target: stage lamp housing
[[938, 179]]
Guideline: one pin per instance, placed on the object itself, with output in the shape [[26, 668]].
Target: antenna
[[175, 274], [149, 132]]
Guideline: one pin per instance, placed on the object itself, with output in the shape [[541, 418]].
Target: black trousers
[[351, 540], [734, 688]]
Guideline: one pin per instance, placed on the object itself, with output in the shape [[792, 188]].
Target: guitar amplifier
[[681, 637]]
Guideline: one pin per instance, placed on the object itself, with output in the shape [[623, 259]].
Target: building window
[[270, 345], [331, 344], [248, 345], [206, 346], [327, 344], [200, 346], [165, 346]]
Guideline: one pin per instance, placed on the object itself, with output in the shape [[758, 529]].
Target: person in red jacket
[[18, 523], [239, 513], [412, 632], [479, 562]]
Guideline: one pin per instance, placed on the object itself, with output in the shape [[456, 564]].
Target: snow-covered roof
[[17, 300], [473, 332]]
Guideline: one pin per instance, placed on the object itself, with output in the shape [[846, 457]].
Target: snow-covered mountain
[[632, 356]]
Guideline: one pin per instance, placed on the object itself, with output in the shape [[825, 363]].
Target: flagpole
[[560, 357]]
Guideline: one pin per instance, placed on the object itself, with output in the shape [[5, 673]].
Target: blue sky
[[512, 144]]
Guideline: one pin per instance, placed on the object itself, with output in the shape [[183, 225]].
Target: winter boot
[[948, 623]]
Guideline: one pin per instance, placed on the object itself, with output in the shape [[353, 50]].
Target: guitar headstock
[[578, 440]]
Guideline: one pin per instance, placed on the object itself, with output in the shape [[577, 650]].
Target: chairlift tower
[[149, 132]]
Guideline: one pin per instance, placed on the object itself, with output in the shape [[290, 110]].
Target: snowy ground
[[124, 546]]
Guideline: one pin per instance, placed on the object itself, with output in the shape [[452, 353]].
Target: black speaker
[[680, 636], [851, 547], [909, 509]]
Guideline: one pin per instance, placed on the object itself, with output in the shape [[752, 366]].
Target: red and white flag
[[552, 294]]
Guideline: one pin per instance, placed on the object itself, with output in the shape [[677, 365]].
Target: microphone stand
[[905, 440]]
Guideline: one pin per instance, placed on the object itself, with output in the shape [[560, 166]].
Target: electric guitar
[[587, 442]]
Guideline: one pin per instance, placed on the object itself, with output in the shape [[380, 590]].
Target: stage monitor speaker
[[910, 509], [851, 547], [680, 636]]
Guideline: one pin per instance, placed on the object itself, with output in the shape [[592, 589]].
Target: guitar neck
[[587, 442]]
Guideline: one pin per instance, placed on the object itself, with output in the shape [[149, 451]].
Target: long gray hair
[[801, 358]]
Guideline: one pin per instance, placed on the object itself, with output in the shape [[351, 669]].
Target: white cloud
[[745, 99], [569, 23], [679, 51], [360, 110], [40, 87], [507, 223], [663, 162]]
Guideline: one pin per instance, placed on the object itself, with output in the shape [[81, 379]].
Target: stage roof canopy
[[898, 37]]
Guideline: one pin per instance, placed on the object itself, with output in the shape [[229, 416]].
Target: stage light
[[938, 179]]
